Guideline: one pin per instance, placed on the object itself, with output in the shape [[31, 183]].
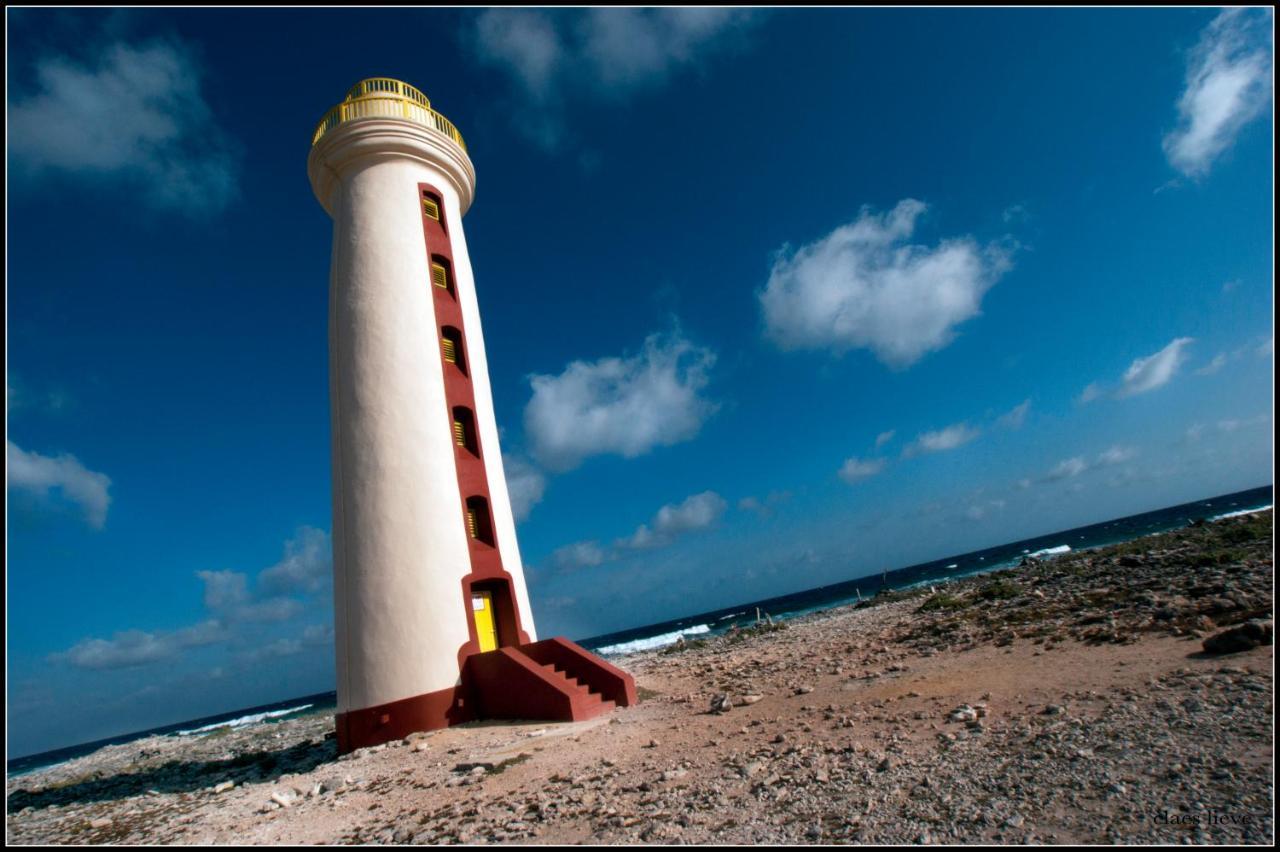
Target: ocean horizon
[[716, 622]]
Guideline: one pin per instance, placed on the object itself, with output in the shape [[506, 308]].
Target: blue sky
[[821, 293]]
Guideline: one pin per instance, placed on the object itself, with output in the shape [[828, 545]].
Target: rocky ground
[[1064, 701]]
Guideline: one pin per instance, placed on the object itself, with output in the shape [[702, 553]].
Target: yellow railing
[[382, 97]]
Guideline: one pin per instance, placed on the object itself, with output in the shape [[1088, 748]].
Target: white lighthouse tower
[[432, 618]]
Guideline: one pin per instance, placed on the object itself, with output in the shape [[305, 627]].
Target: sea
[[778, 608]]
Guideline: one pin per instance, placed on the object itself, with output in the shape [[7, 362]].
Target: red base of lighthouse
[[554, 679]]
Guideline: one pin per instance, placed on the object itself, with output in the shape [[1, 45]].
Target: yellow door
[[486, 629]]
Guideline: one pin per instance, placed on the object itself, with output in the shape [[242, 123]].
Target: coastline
[[1068, 700]]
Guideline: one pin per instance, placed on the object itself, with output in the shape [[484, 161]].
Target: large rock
[[1241, 638]]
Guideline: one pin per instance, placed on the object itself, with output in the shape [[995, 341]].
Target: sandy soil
[[1062, 702]]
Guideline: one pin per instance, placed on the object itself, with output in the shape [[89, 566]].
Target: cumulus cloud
[[1116, 455], [675, 519], [305, 569], [39, 475], [130, 648], [232, 604], [884, 438], [525, 43], [625, 406], [953, 436], [580, 554], [864, 286], [1145, 374], [1015, 417], [554, 56], [763, 508], [136, 114], [1068, 468], [1075, 466], [1219, 361], [668, 523], [314, 636], [227, 594], [224, 589], [1149, 373], [525, 485], [307, 565], [855, 469], [1228, 85]]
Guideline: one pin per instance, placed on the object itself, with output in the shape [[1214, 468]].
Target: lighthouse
[[433, 624]]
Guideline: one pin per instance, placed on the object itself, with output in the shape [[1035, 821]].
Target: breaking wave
[[243, 721], [651, 642], [1241, 512]]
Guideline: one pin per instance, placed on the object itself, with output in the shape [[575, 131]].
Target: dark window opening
[[451, 348], [464, 430], [442, 274], [479, 522], [433, 209]]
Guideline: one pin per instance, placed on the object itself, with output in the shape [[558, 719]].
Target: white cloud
[[1228, 85], [130, 648], [224, 589], [1149, 373], [226, 593], [307, 565], [1077, 465], [696, 512], [669, 523], [38, 475], [884, 438], [580, 554], [1091, 392], [135, 114], [1068, 468], [595, 54], [525, 485], [271, 609], [864, 287], [763, 508], [949, 438], [306, 569], [1014, 418], [1219, 361], [626, 406], [675, 519], [633, 48], [1116, 455], [1267, 348], [233, 605], [855, 469], [525, 42]]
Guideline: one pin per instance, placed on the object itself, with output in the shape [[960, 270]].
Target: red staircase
[[554, 679], [592, 703]]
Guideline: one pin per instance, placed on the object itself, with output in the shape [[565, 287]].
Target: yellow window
[[430, 209], [439, 276], [459, 433], [450, 353], [471, 523]]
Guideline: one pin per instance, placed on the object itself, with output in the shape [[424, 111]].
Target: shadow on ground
[[179, 776]]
